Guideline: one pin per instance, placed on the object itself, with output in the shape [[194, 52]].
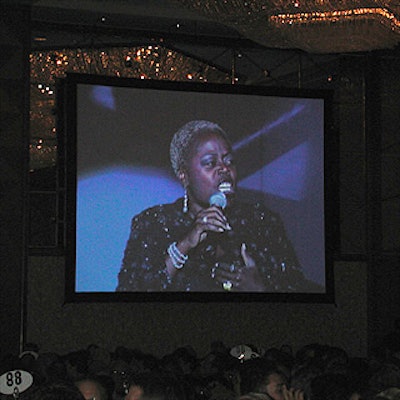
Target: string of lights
[[382, 14], [308, 24]]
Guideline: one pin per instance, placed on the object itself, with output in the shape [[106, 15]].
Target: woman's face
[[210, 164]]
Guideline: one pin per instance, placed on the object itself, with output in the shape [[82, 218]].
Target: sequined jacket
[[153, 230]]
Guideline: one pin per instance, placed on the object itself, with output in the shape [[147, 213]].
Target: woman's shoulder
[[158, 211]]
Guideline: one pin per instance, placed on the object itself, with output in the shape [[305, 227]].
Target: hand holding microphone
[[213, 217], [210, 220]]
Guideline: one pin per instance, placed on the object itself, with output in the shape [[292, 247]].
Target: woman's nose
[[223, 168]]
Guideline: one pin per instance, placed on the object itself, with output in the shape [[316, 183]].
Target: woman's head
[[202, 159], [183, 139]]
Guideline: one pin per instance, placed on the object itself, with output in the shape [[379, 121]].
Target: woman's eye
[[209, 163], [212, 163], [229, 161]]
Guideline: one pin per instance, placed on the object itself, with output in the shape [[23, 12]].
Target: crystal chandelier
[[321, 26]]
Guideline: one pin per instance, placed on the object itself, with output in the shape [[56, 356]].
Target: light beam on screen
[[268, 127], [103, 96], [285, 177], [106, 203]]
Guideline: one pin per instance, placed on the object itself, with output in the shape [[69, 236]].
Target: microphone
[[224, 240], [218, 199]]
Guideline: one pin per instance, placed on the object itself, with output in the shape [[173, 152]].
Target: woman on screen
[[208, 240]]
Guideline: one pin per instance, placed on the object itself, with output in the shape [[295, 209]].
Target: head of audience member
[[76, 363], [274, 384], [219, 388], [99, 360], [155, 386], [92, 389], [176, 363], [261, 376], [336, 359], [51, 367], [282, 359], [186, 359], [143, 362], [302, 377], [210, 364], [309, 354]]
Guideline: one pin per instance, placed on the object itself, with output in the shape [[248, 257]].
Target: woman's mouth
[[226, 187]]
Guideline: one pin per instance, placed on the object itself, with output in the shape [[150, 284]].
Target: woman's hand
[[208, 220], [245, 278], [211, 219]]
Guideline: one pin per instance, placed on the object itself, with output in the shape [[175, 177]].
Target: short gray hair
[[184, 137]]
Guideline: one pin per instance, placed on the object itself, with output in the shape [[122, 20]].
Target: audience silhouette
[[314, 372]]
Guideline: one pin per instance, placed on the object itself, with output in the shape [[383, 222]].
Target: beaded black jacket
[[153, 230]]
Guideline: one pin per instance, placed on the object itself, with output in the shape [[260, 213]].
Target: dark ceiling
[[60, 24]]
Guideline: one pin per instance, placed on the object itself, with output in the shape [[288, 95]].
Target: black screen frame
[[67, 163]]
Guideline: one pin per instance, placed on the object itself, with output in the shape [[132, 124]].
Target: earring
[[185, 208]]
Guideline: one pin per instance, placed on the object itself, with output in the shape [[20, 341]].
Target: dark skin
[[210, 163]]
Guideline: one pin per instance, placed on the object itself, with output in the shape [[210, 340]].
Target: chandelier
[[321, 26]]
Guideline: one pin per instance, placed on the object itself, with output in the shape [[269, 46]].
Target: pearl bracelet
[[178, 259]]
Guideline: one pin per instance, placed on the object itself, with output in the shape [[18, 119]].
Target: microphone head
[[218, 199]]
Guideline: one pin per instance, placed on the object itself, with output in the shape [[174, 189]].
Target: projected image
[[205, 191]]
